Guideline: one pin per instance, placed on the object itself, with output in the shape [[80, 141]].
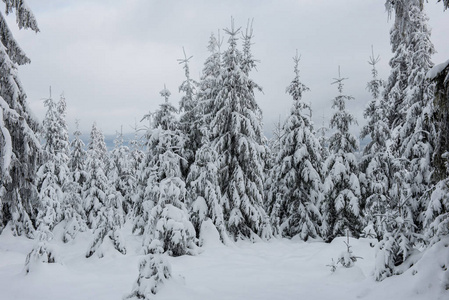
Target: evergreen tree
[[154, 271], [204, 195], [236, 134], [410, 140], [109, 222], [73, 204], [416, 134], [209, 85], [167, 225], [53, 176], [96, 188], [165, 120], [19, 145], [97, 145], [376, 163], [189, 121], [136, 158], [341, 206], [121, 176], [437, 212], [102, 203], [297, 172], [78, 157]]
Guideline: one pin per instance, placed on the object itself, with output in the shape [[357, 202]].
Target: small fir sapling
[[41, 252], [154, 271], [347, 258]]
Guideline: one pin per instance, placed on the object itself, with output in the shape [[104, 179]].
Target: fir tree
[[376, 163], [165, 120], [297, 173], [109, 222], [137, 156], [204, 195], [19, 145], [53, 176], [209, 85], [73, 204], [121, 176], [236, 134], [167, 225], [190, 118], [154, 271], [96, 188], [341, 206], [437, 212]]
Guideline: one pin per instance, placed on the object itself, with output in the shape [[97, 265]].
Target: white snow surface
[[436, 70], [278, 269]]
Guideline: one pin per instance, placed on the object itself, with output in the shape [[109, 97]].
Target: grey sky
[[111, 58]]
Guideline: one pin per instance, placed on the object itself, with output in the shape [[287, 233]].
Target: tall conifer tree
[[236, 134], [297, 170]]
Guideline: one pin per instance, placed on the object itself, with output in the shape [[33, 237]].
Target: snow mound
[[209, 236], [436, 70], [430, 275]]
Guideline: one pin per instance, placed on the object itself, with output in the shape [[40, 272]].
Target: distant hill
[[108, 139]]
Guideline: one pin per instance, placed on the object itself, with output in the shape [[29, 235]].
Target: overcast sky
[[111, 58]]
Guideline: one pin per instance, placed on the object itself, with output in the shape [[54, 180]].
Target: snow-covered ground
[[279, 269]]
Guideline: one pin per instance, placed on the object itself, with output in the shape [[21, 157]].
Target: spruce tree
[[96, 187], [121, 176], [437, 212], [376, 163], [190, 118], [102, 203], [341, 206], [19, 144], [73, 203], [209, 85], [411, 131], [165, 120], [236, 134], [53, 176], [167, 225], [203, 190], [296, 191]]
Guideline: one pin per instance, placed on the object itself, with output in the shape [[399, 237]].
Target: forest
[[204, 167]]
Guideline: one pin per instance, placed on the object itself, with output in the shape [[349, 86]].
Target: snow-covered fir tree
[[136, 157], [109, 222], [376, 162], [167, 224], [209, 85], [415, 136], [190, 120], [102, 203], [96, 188], [19, 144], [204, 194], [121, 174], [236, 134], [296, 191], [437, 212], [154, 271], [73, 210], [165, 120], [341, 204], [411, 132], [53, 174], [97, 145], [78, 156]]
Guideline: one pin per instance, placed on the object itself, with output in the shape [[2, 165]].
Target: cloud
[[111, 58]]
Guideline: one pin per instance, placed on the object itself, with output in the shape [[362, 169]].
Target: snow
[[436, 70], [278, 269]]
